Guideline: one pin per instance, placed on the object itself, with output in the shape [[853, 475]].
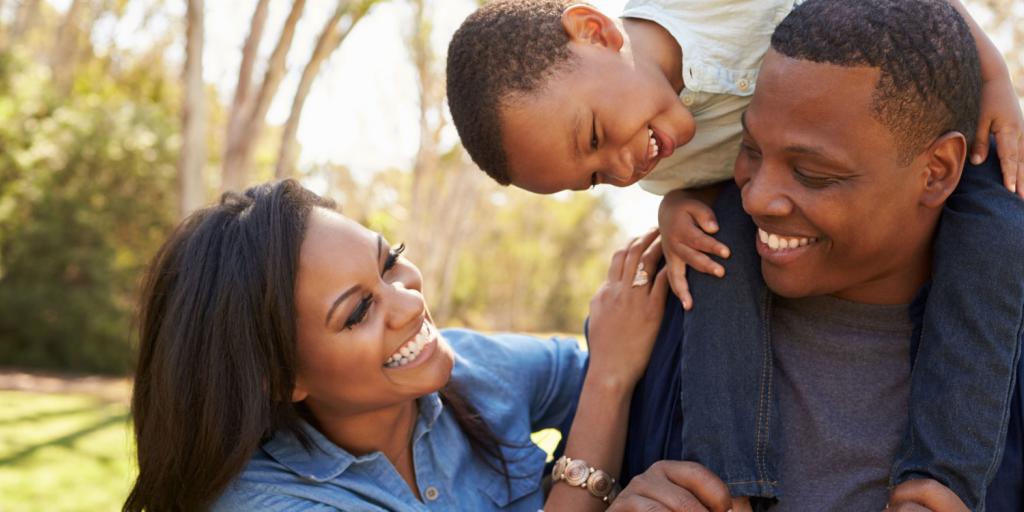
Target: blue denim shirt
[[519, 384]]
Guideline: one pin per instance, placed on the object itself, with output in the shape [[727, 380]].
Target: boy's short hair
[[931, 75], [504, 49]]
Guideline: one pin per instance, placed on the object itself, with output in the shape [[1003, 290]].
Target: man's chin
[[786, 284]]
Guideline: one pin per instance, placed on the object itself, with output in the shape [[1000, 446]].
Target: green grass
[[63, 452]]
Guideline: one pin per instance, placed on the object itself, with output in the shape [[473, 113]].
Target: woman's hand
[[626, 312]]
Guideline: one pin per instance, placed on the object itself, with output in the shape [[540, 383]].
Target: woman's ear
[[299, 392], [587, 25], [944, 165]]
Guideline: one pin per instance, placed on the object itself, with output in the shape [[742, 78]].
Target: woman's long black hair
[[217, 352]]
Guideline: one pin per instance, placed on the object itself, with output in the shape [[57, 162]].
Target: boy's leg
[[728, 411], [965, 367]]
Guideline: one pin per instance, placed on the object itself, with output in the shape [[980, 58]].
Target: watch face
[[600, 484], [558, 471], [576, 473]]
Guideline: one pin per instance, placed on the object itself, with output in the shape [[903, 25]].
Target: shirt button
[[743, 84], [687, 99], [431, 493]]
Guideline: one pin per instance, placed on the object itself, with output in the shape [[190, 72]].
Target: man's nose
[[765, 194]]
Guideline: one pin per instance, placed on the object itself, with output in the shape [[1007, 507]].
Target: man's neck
[[650, 44]]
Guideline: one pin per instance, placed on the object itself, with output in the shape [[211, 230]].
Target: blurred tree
[[337, 28], [248, 112], [192, 156], [86, 197]]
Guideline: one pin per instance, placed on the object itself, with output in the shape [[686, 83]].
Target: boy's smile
[[606, 117]]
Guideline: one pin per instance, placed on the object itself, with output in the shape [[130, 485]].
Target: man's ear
[[943, 167], [585, 24]]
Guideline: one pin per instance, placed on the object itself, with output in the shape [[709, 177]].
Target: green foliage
[[87, 194], [535, 263]]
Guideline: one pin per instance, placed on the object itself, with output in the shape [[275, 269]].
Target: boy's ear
[[943, 167], [585, 24]]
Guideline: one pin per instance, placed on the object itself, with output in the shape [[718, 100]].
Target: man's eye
[[813, 181], [593, 180], [359, 314], [750, 151], [593, 134]]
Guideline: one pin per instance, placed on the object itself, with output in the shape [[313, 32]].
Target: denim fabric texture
[[519, 384], [707, 395]]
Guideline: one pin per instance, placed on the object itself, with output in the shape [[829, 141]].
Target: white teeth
[[410, 349], [652, 144], [776, 242]]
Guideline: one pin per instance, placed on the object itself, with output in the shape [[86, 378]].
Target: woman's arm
[[624, 320]]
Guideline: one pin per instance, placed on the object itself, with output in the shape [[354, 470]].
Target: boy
[[549, 96]]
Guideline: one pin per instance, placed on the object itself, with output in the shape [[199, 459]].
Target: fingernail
[[724, 253], [976, 159], [712, 225], [720, 272]]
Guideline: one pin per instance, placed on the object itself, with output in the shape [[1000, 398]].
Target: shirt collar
[[325, 460]]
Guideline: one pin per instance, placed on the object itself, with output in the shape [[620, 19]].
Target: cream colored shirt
[[723, 43]]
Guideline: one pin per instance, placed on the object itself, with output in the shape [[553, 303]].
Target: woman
[[288, 361]]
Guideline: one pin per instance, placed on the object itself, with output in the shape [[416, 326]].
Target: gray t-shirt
[[842, 377]]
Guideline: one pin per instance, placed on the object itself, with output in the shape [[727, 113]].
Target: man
[[845, 165]]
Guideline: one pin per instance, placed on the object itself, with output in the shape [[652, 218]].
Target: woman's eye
[[359, 314], [393, 256]]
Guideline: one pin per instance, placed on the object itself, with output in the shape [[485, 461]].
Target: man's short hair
[[931, 76], [506, 48]]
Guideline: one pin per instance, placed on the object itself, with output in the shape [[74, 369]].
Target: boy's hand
[[686, 224], [1001, 116], [922, 496]]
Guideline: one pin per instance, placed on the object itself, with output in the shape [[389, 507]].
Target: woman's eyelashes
[[363, 308]]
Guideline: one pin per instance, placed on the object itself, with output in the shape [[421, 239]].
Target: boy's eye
[[593, 134], [593, 180]]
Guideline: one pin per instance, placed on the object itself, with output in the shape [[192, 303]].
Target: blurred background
[[118, 117]]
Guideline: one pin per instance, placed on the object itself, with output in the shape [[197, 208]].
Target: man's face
[[601, 121], [837, 213]]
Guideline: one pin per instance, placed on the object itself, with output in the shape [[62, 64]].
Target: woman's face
[[365, 339]]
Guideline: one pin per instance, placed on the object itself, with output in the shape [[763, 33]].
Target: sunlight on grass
[[63, 452]]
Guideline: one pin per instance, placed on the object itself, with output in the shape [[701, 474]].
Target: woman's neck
[[386, 430]]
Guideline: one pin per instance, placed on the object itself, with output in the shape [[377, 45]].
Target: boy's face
[[604, 119], [817, 169]]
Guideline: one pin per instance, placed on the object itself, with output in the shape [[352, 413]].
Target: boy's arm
[[686, 223], [1000, 109]]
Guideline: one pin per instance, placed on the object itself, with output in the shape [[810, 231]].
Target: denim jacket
[[519, 384]]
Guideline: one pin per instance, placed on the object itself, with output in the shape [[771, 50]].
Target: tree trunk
[[241, 101], [238, 157], [193, 114], [25, 17], [331, 37], [65, 51]]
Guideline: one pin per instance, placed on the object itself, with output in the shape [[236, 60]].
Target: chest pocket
[[525, 468]]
